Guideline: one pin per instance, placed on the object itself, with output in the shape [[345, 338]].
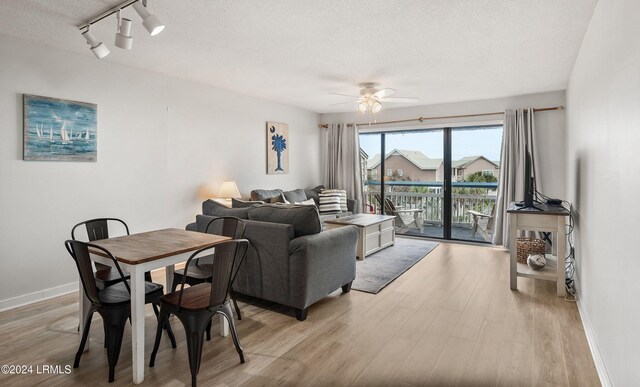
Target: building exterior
[[414, 165], [469, 165], [404, 165]]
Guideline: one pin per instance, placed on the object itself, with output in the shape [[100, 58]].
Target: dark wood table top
[[362, 220], [148, 246], [543, 209]]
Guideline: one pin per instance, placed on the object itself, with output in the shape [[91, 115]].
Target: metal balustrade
[[407, 195]]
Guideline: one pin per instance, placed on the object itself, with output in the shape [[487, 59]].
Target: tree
[[479, 177]]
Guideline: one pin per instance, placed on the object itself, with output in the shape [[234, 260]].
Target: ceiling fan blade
[[342, 103], [384, 92], [345, 95], [400, 99]]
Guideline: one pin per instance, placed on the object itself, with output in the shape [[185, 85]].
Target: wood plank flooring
[[450, 320]]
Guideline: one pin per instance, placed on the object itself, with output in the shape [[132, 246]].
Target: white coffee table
[[375, 232]]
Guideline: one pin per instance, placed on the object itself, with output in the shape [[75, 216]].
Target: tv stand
[[543, 218], [521, 206]]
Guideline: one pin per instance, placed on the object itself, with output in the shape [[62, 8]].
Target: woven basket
[[528, 246]]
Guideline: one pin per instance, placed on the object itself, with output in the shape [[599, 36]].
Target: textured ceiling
[[298, 51]]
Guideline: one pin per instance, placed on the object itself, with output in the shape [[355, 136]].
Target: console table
[[546, 219]]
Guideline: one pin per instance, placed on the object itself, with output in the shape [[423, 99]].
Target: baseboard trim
[[45, 294], [593, 346]]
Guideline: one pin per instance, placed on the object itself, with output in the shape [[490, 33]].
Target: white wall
[[603, 115], [550, 127], [160, 140]]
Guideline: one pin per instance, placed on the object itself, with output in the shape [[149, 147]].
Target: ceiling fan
[[371, 98]]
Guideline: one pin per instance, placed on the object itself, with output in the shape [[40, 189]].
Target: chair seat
[[108, 277], [202, 271], [118, 293], [193, 298]]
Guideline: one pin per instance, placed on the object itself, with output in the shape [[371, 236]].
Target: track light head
[[123, 36], [149, 21], [99, 49]]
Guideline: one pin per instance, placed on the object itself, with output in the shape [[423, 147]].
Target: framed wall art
[[59, 130], [277, 148]]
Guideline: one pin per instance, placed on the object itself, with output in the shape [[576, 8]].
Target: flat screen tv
[[529, 185]]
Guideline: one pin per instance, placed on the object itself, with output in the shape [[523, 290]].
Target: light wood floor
[[450, 320]]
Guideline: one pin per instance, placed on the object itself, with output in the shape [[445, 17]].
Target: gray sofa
[[291, 261]]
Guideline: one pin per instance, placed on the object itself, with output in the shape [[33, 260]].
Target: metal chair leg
[[83, 341], [115, 321], [226, 312]]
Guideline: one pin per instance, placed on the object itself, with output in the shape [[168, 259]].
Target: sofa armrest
[[191, 227], [321, 263]]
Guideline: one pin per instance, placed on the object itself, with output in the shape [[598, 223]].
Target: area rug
[[380, 269]]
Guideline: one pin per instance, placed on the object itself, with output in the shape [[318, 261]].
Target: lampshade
[[149, 21], [376, 106], [123, 36], [362, 107], [229, 189]]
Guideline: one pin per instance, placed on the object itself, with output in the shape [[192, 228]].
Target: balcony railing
[[429, 197]]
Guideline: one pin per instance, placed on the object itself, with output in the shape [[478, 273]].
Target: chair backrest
[[389, 207], [79, 251], [491, 219], [226, 256], [226, 226], [97, 228]]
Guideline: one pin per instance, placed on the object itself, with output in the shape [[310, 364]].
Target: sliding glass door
[[439, 183]]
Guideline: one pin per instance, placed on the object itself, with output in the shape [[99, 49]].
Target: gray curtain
[[341, 161], [519, 135]]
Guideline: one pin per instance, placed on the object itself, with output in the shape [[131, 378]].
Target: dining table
[[142, 252]]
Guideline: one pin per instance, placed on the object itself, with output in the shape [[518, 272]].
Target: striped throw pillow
[[329, 203], [343, 197]]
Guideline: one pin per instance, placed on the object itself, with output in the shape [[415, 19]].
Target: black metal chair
[[226, 226], [195, 306], [113, 302]]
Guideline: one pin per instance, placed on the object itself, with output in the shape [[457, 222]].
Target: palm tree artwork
[[279, 145]]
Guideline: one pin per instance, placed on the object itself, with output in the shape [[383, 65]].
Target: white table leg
[[561, 241], [224, 326], [84, 304], [513, 238], [137, 322], [168, 272]]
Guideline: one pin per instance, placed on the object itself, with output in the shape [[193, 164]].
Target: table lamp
[[229, 190]]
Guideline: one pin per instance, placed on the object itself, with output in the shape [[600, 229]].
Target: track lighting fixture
[[123, 33], [123, 37], [149, 21], [98, 48]]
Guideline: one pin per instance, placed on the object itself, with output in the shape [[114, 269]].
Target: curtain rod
[[421, 119]]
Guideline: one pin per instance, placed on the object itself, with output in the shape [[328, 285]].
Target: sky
[[465, 142]]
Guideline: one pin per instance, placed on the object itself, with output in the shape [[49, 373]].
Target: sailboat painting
[[59, 130]]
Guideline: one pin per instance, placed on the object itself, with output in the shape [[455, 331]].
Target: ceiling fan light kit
[[371, 98], [123, 38]]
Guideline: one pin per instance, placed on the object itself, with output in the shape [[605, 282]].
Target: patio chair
[[483, 222], [405, 218]]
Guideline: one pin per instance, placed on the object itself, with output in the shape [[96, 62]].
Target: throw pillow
[[329, 203], [343, 197], [277, 199], [313, 193], [297, 195], [236, 203], [304, 219], [264, 194], [308, 202], [213, 208]]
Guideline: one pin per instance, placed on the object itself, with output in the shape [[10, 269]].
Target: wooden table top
[[148, 246], [362, 220], [543, 209]]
